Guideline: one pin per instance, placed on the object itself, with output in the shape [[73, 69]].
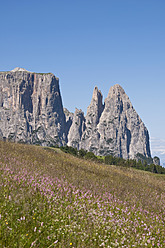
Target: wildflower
[[33, 243], [70, 243], [27, 234]]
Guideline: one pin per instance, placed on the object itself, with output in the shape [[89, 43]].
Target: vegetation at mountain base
[[141, 164], [54, 199]]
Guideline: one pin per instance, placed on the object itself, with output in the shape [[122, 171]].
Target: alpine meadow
[[53, 199]]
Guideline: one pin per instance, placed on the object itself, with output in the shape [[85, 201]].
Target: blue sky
[[88, 43]]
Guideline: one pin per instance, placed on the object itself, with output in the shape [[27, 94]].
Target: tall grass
[[52, 199]]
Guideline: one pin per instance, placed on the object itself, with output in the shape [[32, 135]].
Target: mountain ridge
[[114, 127], [31, 111]]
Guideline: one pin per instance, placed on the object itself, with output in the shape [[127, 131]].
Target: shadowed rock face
[[31, 111], [90, 137], [76, 129], [122, 132], [113, 128], [31, 108]]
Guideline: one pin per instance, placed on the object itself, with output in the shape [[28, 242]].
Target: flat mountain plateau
[[52, 199]]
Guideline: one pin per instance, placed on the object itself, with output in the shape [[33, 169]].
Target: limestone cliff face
[[31, 108], [113, 128], [76, 129], [69, 120], [90, 137], [122, 132], [31, 111]]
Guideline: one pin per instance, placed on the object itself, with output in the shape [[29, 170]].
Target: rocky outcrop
[[156, 160], [76, 129], [69, 120], [31, 108], [122, 132], [91, 136], [113, 128], [31, 111]]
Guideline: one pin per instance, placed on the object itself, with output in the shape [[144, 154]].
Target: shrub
[[91, 156], [82, 153]]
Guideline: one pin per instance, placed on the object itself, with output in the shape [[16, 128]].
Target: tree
[[109, 159], [82, 152], [90, 155]]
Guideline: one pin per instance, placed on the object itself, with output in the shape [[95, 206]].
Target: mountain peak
[[96, 94], [18, 69], [116, 90]]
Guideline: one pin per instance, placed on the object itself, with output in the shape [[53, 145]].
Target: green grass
[[52, 199]]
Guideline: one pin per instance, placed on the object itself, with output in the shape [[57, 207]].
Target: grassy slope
[[132, 196]]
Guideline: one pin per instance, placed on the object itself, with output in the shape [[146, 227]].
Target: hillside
[[52, 199]]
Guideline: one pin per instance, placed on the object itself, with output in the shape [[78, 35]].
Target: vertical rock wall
[[31, 108]]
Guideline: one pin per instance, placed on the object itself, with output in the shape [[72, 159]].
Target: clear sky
[[89, 43]]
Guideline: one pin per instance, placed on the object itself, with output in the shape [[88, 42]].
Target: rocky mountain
[[31, 111], [91, 136], [69, 119], [31, 108], [113, 127], [76, 129]]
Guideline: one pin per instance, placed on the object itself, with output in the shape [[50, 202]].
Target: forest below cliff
[[142, 163]]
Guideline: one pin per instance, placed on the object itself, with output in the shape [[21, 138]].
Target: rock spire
[[113, 128]]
